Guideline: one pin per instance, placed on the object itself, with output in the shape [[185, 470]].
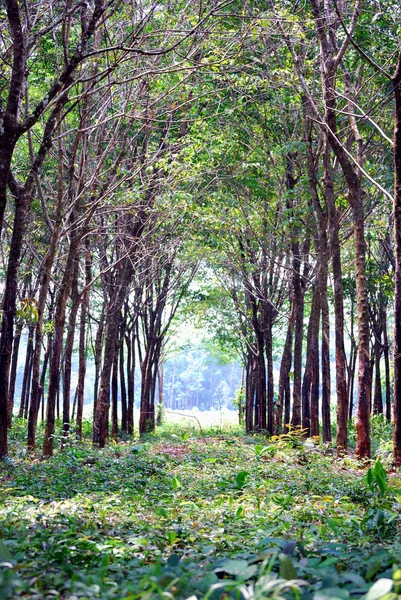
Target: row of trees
[[253, 139]]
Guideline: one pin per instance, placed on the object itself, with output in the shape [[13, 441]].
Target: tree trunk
[[27, 373], [9, 310], [377, 396], [98, 353], [363, 449], [43, 375], [270, 375], [68, 350], [59, 322], [123, 388], [101, 417], [341, 364], [114, 396], [397, 275], [80, 393], [307, 379], [386, 353], [130, 342], [146, 418], [299, 329], [13, 372], [326, 375], [283, 398]]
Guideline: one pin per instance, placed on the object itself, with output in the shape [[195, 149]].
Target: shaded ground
[[142, 520]]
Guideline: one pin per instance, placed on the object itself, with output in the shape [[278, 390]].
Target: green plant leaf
[[379, 589], [287, 570], [241, 479]]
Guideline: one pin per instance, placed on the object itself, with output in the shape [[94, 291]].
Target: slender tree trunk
[[326, 374], [261, 384], [43, 375], [377, 396], [13, 372], [9, 309], [146, 418], [80, 393], [123, 388], [98, 353], [114, 396], [307, 379], [362, 449], [101, 417], [299, 329], [397, 274], [341, 364], [283, 399], [27, 372], [74, 406], [249, 392], [59, 322], [386, 352], [28, 389], [130, 342], [37, 389], [270, 377], [159, 417], [68, 350], [314, 361]]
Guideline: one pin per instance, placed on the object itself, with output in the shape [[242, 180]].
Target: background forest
[[228, 163]]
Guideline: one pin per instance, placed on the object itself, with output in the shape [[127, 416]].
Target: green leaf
[[379, 589], [332, 593], [4, 551], [287, 570], [176, 483], [233, 567], [241, 479]]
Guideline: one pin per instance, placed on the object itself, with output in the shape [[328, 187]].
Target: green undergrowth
[[206, 515]]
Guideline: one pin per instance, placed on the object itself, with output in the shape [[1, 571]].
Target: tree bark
[[341, 364], [59, 322], [27, 373], [13, 372], [130, 342], [397, 275], [283, 398], [82, 340], [386, 352], [68, 350], [114, 396], [9, 310], [123, 387]]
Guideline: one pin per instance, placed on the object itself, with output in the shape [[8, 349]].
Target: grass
[[185, 515]]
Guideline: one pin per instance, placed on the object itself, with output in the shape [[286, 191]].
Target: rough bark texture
[[13, 372], [341, 365], [27, 373], [9, 309], [386, 352], [69, 347], [326, 374], [114, 396], [130, 342], [59, 322], [82, 341], [101, 417], [397, 275], [123, 388], [307, 379]]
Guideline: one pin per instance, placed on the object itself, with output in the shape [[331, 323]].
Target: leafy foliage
[[200, 518]]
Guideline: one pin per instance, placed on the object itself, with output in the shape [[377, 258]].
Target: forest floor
[[180, 515]]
